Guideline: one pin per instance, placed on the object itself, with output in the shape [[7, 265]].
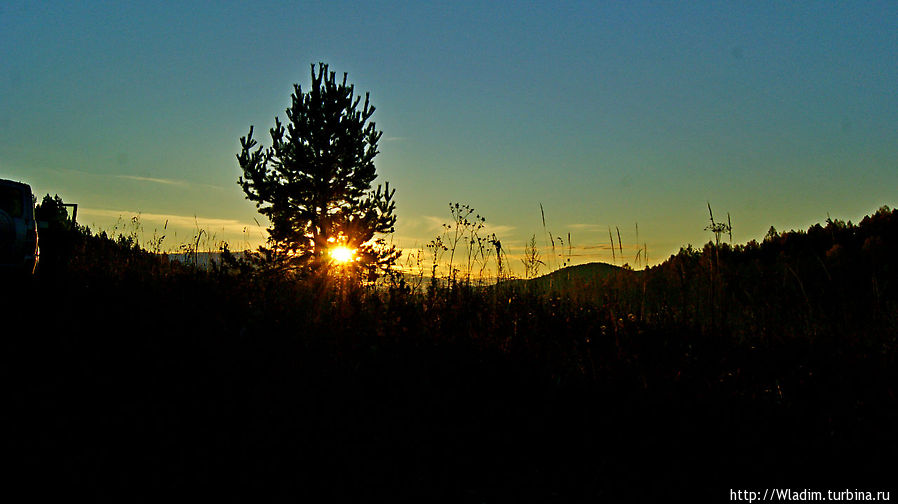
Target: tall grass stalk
[[613, 255], [619, 243]]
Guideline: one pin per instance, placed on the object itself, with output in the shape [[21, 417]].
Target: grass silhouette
[[135, 375]]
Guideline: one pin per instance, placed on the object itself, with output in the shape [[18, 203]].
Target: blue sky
[[608, 114]]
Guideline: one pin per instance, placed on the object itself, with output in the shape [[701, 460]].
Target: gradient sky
[[608, 114]]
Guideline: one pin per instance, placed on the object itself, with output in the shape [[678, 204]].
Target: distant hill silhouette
[[570, 277], [202, 260]]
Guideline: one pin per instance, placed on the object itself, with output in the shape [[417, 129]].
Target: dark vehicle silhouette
[[19, 251]]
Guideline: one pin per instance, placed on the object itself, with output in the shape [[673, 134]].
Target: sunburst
[[342, 255]]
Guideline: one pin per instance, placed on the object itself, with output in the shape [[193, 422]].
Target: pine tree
[[313, 182]]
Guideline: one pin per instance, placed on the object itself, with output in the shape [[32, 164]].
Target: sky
[[608, 114]]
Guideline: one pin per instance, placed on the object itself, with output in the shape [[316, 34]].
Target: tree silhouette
[[52, 211], [314, 181]]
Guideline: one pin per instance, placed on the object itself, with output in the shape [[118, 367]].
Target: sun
[[342, 254]]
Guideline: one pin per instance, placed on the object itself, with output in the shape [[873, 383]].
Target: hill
[[571, 277]]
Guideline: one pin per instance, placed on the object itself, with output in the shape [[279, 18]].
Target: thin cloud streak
[[163, 181], [432, 223], [182, 221], [586, 227], [168, 181], [134, 178], [435, 224], [499, 229]]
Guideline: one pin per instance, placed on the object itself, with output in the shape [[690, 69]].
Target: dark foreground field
[[763, 365]]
